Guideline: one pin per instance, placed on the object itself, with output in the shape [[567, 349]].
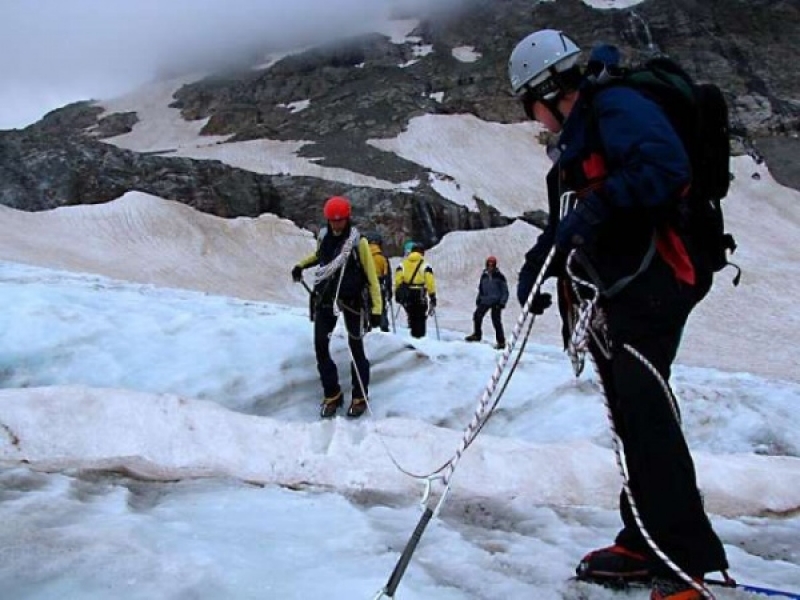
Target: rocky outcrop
[[40, 171]]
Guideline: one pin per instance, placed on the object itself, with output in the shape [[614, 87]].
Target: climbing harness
[[581, 324], [589, 321]]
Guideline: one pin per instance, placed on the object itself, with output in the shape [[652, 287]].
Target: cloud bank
[[53, 52]]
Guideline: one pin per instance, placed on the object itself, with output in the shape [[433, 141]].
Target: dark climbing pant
[[417, 314], [649, 315], [497, 321], [324, 324]]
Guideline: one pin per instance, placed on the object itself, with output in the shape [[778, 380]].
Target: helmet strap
[[564, 81], [552, 106]]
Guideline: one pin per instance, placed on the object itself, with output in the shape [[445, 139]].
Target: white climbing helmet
[[538, 57]]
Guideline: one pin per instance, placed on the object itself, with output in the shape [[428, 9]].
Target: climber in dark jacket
[[492, 296], [620, 168]]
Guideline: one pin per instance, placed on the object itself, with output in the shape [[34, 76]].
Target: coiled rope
[[327, 271]]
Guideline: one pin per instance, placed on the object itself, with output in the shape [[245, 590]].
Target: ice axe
[[432, 312]]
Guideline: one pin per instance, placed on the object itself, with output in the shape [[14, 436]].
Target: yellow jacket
[[381, 264], [422, 279]]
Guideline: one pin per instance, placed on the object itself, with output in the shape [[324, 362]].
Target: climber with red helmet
[[492, 296], [345, 273]]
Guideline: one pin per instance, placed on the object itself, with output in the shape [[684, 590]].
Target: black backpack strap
[[414, 274]]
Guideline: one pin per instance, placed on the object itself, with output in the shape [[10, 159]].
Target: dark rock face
[[357, 91], [744, 46], [781, 155], [40, 171], [43, 171]]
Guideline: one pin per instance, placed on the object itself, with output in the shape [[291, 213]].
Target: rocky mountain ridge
[[369, 87]]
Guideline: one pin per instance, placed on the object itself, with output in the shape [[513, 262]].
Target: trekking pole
[[436, 322], [730, 583], [391, 313], [310, 299], [405, 558]]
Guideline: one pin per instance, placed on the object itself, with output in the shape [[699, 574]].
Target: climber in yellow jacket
[[415, 289]]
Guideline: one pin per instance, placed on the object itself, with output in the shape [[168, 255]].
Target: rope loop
[[487, 402]]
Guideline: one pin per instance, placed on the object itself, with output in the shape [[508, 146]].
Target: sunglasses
[[546, 90]]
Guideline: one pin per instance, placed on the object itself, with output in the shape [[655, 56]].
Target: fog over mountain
[[56, 52]]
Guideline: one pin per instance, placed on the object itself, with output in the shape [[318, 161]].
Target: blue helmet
[[374, 237]]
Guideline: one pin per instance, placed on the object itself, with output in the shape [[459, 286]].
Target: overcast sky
[[53, 52]]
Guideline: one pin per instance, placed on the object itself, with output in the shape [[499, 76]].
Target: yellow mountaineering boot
[[357, 408], [329, 406]]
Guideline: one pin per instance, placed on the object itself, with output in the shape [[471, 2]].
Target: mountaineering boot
[[473, 337], [357, 408], [614, 565], [501, 344], [673, 589], [329, 406]]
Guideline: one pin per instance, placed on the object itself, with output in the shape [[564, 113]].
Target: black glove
[[501, 306], [527, 277], [534, 260], [580, 226], [374, 320], [297, 273], [541, 302], [433, 300]]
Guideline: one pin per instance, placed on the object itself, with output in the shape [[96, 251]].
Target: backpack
[[380, 260], [699, 114], [406, 293]]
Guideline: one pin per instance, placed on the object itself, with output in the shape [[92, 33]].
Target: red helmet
[[491, 260], [337, 208]]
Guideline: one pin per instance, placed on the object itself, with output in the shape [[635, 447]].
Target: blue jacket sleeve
[[646, 161], [503, 290]]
